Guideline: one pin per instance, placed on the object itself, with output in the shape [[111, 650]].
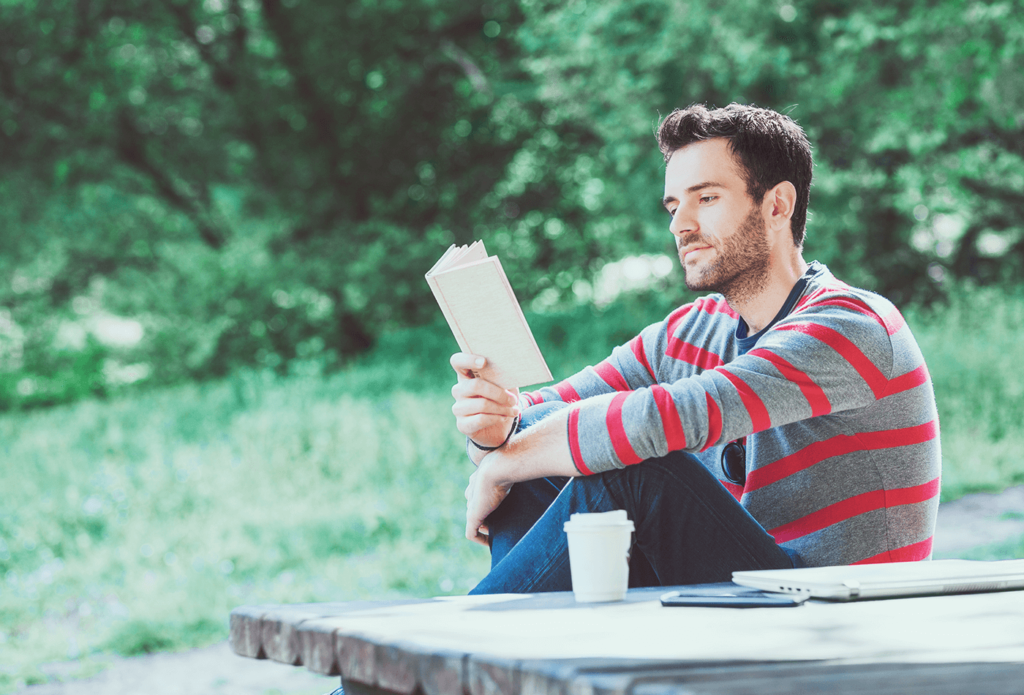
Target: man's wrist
[[512, 430], [490, 469]]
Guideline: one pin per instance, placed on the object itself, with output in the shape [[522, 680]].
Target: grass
[[973, 351], [136, 525], [1012, 549]]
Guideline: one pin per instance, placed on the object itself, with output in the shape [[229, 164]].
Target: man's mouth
[[691, 250]]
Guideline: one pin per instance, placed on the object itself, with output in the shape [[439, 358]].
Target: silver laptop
[[887, 580]]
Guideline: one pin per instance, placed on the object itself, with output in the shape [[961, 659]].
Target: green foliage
[[257, 183], [262, 183], [918, 152]]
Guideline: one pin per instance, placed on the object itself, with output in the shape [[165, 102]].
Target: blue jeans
[[689, 528]]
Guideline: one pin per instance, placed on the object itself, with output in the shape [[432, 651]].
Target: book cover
[[485, 317]]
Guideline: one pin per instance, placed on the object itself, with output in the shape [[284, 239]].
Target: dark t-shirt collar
[[745, 342]]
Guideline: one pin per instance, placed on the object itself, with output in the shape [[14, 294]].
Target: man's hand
[[483, 496], [483, 411]]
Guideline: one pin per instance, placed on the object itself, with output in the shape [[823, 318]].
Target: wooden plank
[[357, 658], [280, 626], [354, 688], [318, 646], [954, 628], [624, 676], [592, 676], [443, 672], [551, 646], [400, 667], [279, 633], [849, 679], [397, 667], [492, 675], [244, 635]]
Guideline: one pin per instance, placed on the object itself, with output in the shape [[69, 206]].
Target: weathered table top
[[546, 643]]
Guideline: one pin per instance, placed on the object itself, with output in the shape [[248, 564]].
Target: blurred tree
[[916, 110], [265, 181], [258, 181]]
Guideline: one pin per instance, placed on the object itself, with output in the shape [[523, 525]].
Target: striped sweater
[[834, 400]]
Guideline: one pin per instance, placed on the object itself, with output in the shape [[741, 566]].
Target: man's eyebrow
[[692, 189], [704, 184]]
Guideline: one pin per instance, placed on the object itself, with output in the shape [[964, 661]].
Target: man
[[787, 420]]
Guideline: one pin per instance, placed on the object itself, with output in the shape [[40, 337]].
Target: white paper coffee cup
[[599, 555]]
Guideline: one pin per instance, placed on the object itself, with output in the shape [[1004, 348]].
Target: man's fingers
[[481, 388], [465, 364], [468, 407], [478, 538], [477, 531], [477, 423]]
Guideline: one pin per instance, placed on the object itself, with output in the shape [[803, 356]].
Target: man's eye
[[671, 213], [708, 198]]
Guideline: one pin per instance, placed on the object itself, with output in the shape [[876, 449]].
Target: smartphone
[[674, 598]]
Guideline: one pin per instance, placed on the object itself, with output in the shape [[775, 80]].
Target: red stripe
[[751, 401], [734, 489], [534, 397], [907, 381], [617, 431], [637, 345], [811, 297], [854, 304], [711, 305], [816, 398], [835, 286], [913, 552], [839, 445], [685, 351], [908, 553], [893, 321], [566, 392], [874, 378], [574, 442], [675, 437], [912, 495], [714, 423], [677, 316], [611, 376], [854, 506], [691, 354]]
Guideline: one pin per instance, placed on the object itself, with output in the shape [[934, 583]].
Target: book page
[[487, 320]]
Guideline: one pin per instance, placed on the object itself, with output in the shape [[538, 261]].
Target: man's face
[[719, 230]]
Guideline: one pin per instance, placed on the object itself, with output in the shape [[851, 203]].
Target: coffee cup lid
[[582, 521]]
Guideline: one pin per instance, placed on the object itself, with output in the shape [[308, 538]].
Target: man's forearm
[[537, 452]]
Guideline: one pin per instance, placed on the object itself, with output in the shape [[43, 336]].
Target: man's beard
[[740, 267]]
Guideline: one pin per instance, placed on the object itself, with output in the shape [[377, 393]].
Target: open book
[[483, 313]]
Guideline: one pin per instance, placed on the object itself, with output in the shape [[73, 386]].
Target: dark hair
[[771, 147]]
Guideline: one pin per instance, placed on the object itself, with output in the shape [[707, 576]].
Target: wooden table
[[547, 643]]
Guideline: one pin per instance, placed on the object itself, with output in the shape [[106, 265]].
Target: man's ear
[[779, 204]]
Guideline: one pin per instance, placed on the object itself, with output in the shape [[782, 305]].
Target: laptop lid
[[892, 579]]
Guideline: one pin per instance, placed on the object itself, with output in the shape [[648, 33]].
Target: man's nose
[[683, 222]]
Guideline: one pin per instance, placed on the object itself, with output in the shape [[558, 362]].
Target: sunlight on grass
[[136, 525], [972, 348]]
